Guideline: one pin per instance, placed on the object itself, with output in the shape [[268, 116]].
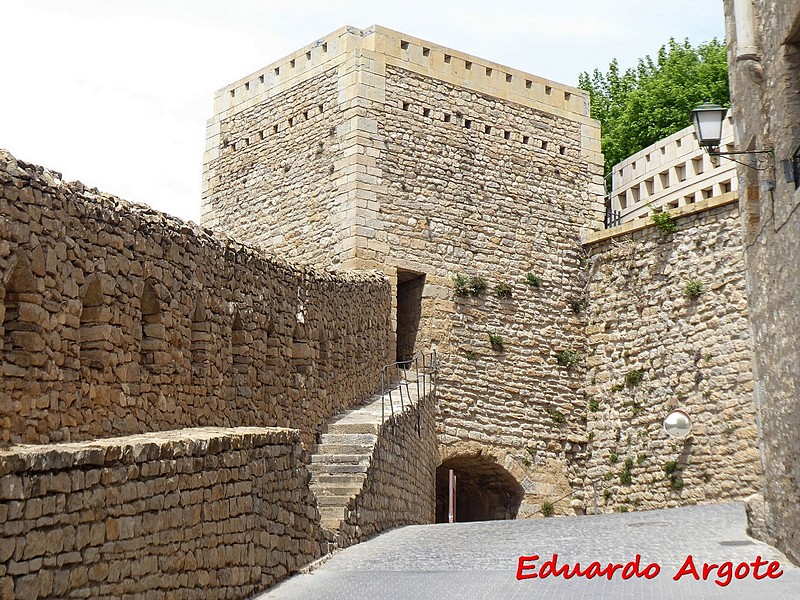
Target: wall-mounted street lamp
[[707, 119]]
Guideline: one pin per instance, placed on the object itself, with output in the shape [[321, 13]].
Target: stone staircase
[[340, 460]]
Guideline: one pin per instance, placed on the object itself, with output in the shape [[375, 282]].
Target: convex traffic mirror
[[678, 424]]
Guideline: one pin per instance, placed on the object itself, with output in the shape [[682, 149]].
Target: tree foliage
[[644, 104]]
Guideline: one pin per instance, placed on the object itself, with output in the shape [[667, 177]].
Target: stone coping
[[132, 449], [639, 224]]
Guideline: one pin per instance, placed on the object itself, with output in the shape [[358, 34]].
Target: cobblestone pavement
[[479, 560]]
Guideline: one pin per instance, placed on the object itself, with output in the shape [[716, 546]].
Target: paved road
[[480, 560]]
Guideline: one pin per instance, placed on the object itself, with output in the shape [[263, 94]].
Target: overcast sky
[[116, 93]]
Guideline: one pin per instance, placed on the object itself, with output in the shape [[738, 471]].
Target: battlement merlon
[[372, 49]]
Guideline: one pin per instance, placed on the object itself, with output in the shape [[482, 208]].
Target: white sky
[[116, 93]]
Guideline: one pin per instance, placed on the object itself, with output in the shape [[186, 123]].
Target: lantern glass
[[707, 119]]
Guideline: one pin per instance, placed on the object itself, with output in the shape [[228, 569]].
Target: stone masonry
[[764, 58], [652, 348], [467, 195], [118, 320], [194, 513]]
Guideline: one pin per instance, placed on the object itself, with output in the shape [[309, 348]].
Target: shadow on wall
[[485, 491]]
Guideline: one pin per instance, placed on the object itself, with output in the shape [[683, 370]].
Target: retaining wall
[[193, 513]]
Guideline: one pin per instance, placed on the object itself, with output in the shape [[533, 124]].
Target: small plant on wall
[[477, 285], [461, 285], [468, 286], [503, 290], [548, 509], [568, 357], [470, 355], [556, 415], [533, 280], [664, 221], [496, 341], [634, 377], [626, 476], [671, 471], [578, 305], [693, 289]]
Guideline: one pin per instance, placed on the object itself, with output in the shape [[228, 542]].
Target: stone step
[[354, 427], [327, 468], [341, 459], [337, 490], [331, 516], [356, 439], [338, 479], [338, 501], [328, 448]]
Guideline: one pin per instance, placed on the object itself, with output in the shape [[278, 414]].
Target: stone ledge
[[196, 441], [640, 224]]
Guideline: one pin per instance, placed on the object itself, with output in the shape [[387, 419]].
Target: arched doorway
[[485, 491]]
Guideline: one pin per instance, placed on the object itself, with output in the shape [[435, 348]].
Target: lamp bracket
[[762, 157]]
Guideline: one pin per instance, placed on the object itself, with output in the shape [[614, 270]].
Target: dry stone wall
[[118, 320], [653, 348], [194, 513]]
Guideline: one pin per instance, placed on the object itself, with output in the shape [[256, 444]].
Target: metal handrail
[[395, 376]]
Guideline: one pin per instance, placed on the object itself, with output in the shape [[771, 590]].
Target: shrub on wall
[[496, 342], [503, 290], [664, 221], [568, 357], [693, 289], [533, 280]]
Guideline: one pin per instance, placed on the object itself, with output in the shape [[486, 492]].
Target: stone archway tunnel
[[485, 491]]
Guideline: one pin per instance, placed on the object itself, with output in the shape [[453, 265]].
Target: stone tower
[[371, 149]]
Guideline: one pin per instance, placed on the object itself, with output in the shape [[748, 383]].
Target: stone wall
[[273, 156], [118, 320], [505, 195], [400, 485], [651, 349], [765, 88], [198, 513]]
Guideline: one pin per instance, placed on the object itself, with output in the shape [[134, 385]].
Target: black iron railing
[[613, 218], [397, 379]]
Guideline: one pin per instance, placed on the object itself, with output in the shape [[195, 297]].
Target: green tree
[[640, 106]]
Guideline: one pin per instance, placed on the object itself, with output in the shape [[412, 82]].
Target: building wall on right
[[764, 59]]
